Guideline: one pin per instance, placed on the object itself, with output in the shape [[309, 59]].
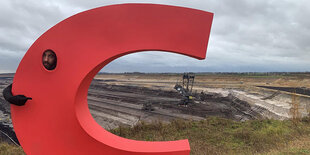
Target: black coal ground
[[297, 90]]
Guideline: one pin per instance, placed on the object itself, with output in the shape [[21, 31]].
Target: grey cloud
[[22, 23], [246, 35], [8, 63]]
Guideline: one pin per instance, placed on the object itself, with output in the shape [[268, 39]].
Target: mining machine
[[185, 88]]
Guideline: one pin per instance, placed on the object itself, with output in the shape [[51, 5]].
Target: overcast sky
[[246, 35]]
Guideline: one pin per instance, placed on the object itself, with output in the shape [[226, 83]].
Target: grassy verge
[[298, 146], [8, 149], [223, 136], [219, 136]]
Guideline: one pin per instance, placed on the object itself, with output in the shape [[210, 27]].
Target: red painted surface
[[57, 120]]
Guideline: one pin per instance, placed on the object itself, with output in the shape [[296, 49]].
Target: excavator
[[185, 88]]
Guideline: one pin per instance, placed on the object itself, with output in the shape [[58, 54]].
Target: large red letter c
[[57, 120]]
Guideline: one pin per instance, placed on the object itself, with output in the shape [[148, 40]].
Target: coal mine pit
[[115, 105]]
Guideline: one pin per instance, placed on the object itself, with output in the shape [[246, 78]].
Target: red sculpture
[[57, 119]]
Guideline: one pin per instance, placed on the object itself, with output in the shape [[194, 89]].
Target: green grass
[[220, 136]]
